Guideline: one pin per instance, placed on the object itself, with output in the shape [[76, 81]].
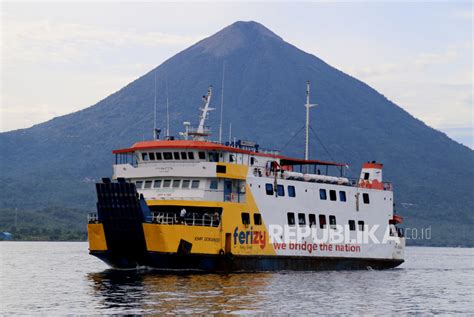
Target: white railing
[[92, 217], [192, 219]]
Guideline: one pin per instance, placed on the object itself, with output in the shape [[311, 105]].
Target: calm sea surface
[[61, 278]]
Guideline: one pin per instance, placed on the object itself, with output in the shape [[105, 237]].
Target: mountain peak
[[234, 36]]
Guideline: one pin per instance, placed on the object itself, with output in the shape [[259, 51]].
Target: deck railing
[[192, 219], [92, 217]]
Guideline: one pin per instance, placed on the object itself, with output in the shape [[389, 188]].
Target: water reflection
[[149, 291]]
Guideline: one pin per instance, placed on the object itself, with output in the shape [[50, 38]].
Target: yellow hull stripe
[[96, 236]]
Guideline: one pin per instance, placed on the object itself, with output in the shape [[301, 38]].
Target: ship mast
[[202, 131], [307, 106]]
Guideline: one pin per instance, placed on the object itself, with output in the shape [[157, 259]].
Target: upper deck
[[201, 159]]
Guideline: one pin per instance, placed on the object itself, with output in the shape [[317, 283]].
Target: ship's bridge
[[190, 170]]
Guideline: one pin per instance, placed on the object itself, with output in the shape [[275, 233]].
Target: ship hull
[[230, 263]]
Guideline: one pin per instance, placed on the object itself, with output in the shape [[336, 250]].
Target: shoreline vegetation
[[47, 224]]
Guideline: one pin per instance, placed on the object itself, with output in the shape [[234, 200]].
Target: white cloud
[[425, 59], [47, 41]]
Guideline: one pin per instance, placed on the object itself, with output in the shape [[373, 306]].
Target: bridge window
[[322, 194], [342, 195], [322, 221], [291, 218], [257, 219], [168, 156], [291, 191], [152, 156], [185, 183], [176, 155], [202, 155], [176, 183], [269, 189], [158, 156], [167, 183], [148, 184], [332, 222], [138, 184], [145, 156], [281, 190], [157, 183], [214, 184], [191, 155], [365, 198], [332, 195], [366, 176], [312, 220], [361, 225], [195, 184], [301, 219], [245, 218], [352, 225], [184, 156]]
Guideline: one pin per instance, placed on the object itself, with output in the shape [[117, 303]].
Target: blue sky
[[62, 57]]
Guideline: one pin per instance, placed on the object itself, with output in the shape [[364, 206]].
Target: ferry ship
[[192, 204]]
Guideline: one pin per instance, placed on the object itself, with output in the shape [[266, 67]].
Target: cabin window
[[231, 158], [301, 219], [191, 155], [291, 191], [269, 189], [312, 220], [167, 183], [176, 155], [144, 156], [152, 156], [138, 184], [366, 176], [245, 218], [291, 218], [158, 156], [176, 183], [202, 155], [148, 184], [342, 195], [195, 184], [322, 221], [184, 156], [322, 194], [252, 160], [168, 156], [213, 184], [257, 219], [221, 169], [361, 225], [213, 157], [281, 190], [332, 222], [352, 225], [157, 183], [185, 183], [332, 195], [365, 198]]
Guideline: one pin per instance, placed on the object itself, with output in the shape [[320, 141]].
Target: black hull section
[[224, 263], [122, 213]]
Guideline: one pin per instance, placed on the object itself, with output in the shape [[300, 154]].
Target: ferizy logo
[[250, 237]]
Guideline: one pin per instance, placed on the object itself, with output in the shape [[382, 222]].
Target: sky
[[60, 57]]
